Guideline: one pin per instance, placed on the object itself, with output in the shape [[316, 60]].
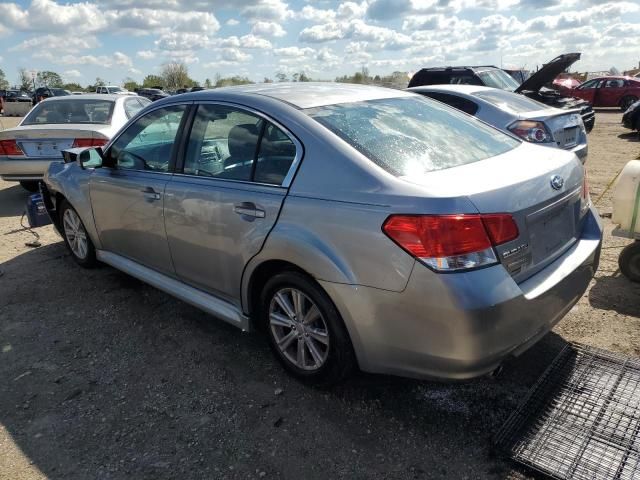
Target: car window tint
[[467, 106], [73, 110], [223, 143], [148, 143], [615, 83], [275, 157], [132, 106], [590, 84], [412, 136]]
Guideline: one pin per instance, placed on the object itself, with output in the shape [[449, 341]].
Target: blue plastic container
[[36, 211]]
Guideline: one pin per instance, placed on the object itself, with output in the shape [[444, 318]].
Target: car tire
[[316, 348], [30, 186], [627, 101], [629, 261], [76, 237]]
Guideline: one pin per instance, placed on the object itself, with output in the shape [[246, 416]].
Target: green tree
[[267, 80], [130, 84], [73, 87], [207, 83], [235, 80], [151, 81], [99, 82], [176, 75], [48, 78], [24, 79], [3, 81], [282, 77]]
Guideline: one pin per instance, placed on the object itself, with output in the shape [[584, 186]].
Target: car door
[[221, 207], [127, 195], [587, 90], [609, 93]]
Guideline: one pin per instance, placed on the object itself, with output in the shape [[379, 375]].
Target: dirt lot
[[104, 377]]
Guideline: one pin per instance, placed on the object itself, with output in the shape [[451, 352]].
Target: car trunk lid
[[50, 140], [564, 125], [540, 187]]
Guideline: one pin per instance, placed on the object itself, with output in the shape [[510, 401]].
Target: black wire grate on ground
[[581, 420]]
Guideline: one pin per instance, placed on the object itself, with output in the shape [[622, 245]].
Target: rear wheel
[[76, 238], [629, 261], [31, 186], [627, 101], [305, 330]]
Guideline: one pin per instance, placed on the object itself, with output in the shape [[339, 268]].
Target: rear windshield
[[73, 110], [498, 79], [510, 101], [114, 89], [412, 136]]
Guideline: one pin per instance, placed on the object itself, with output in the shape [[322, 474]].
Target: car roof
[[87, 96], [302, 94]]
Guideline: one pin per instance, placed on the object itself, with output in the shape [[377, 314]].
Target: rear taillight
[[88, 142], [531, 131], [10, 147], [451, 242]]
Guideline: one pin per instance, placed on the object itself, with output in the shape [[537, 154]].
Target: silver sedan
[[516, 114], [355, 226], [59, 123]]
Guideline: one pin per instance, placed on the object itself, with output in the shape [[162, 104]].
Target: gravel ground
[[104, 377]]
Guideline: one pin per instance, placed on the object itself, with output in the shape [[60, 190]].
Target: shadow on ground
[[12, 201], [630, 136], [106, 377], [616, 292]]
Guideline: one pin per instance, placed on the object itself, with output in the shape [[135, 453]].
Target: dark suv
[[152, 94], [534, 87], [45, 92]]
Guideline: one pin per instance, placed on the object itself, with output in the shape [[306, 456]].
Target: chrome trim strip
[[199, 299]]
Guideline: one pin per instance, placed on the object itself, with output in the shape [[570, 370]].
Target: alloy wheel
[[299, 329], [75, 233]]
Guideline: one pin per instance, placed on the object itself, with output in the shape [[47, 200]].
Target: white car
[[516, 114], [113, 89], [60, 123]]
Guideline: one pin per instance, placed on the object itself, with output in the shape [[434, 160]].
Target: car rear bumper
[[463, 325], [581, 151], [14, 169]]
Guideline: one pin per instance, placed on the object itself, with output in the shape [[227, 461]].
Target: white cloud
[[146, 54], [71, 74], [268, 29], [59, 43], [293, 52], [316, 15], [234, 55], [121, 59], [380, 37], [232, 22], [270, 10]]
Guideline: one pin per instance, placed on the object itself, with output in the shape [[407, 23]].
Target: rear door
[[128, 195], [219, 210]]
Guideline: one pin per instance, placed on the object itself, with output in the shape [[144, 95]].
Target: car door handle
[[150, 194], [248, 209]]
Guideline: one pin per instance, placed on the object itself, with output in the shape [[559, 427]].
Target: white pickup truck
[[113, 89]]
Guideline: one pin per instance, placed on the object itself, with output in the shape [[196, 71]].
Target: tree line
[[175, 75]]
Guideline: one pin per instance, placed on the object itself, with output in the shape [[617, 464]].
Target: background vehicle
[[608, 91], [535, 87], [631, 118], [356, 225], [113, 89], [530, 120], [625, 218], [17, 96], [59, 123], [45, 92], [152, 94]]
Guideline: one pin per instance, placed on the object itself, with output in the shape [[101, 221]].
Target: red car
[[608, 91]]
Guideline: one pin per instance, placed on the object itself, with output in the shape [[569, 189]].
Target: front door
[[127, 195], [219, 211], [609, 93], [587, 91]]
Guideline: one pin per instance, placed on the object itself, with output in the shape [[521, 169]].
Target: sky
[[116, 39]]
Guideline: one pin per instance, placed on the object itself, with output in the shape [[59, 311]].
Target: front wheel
[[627, 101], [76, 238], [629, 262], [305, 330], [30, 186]]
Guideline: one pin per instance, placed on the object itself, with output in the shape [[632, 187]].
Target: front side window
[[148, 143], [234, 144], [411, 136], [589, 85], [73, 110]]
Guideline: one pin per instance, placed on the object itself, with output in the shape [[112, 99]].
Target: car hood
[[548, 72]]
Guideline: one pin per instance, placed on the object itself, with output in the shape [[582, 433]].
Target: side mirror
[[87, 157]]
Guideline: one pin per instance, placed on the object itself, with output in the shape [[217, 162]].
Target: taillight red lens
[[10, 147], [88, 142], [441, 236]]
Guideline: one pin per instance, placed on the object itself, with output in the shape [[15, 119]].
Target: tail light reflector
[[451, 242], [10, 147], [88, 142]]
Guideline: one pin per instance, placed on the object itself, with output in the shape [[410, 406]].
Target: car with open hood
[[535, 87], [612, 91], [355, 226]]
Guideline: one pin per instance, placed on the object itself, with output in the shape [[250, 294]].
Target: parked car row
[[357, 227]]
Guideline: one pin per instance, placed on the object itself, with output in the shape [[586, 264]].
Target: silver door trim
[[199, 299]]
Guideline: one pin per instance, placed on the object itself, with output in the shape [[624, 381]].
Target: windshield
[[75, 110], [114, 89], [498, 79], [412, 136], [510, 101]]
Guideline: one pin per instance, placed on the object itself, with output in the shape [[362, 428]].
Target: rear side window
[[510, 101], [275, 157], [412, 136], [467, 106]]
